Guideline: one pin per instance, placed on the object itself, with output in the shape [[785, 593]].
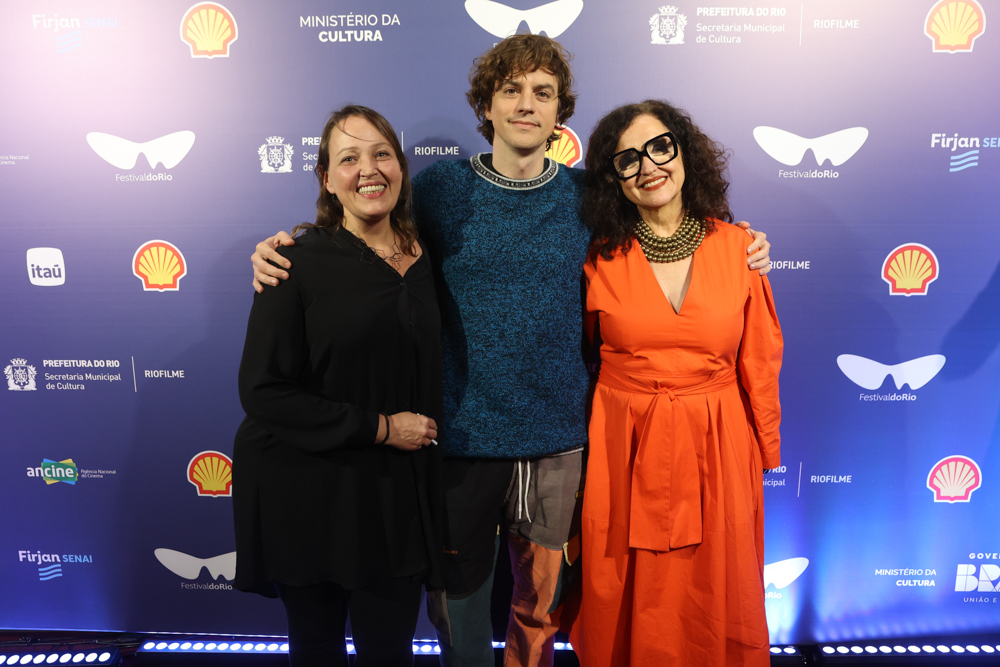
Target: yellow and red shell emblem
[[954, 478], [212, 474], [208, 28], [909, 269], [953, 25], [567, 149], [159, 265]]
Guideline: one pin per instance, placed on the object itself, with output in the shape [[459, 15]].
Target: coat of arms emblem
[[276, 156], [20, 375], [668, 26]]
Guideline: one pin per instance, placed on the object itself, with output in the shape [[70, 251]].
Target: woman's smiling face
[[364, 172]]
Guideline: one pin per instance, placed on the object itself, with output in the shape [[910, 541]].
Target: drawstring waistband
[[522, 490]]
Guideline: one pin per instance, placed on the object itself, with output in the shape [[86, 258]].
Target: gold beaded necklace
[[682, 243]]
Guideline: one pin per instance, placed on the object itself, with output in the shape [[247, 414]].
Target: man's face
[[524, 110]]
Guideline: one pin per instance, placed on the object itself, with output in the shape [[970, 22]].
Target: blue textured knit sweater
[[509, 259]]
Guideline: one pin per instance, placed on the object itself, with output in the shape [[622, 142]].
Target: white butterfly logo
[[784, 572], [789, 149], [502, 21], [122, 153], [871, 374], [190, 567]]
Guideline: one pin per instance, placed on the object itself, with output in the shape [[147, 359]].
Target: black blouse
[[315, 500]]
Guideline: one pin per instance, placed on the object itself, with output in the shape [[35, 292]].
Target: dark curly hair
[[329, 210], [610, 216], [516, 55]]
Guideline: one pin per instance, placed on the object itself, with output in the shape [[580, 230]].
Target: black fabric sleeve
[[273, 373]]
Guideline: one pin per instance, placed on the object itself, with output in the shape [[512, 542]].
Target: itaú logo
[[789, 149], [871, 374], [168, 150], [502, 21], [190, 567], [782, 573]]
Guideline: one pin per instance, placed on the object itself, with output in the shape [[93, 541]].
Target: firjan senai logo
[[871, 374], [954, 478], [789, 149], [552, 18]]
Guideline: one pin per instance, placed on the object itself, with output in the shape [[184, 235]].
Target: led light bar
[[898, 649], [90, 655]]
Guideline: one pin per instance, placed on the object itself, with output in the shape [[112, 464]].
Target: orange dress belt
[[666, 504]]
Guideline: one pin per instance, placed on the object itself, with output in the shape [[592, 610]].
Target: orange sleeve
[[759, 365]]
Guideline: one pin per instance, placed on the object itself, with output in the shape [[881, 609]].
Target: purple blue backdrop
[[114, 389]]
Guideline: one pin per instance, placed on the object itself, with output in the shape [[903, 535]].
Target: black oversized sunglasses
[[660, 149]]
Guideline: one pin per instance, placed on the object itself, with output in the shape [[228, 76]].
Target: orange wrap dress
[[685, 418]]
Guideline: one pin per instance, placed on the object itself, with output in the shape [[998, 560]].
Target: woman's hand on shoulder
[[759, 251], [409, 431], [265, 273]]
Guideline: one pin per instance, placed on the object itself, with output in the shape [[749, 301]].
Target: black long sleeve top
[[343, 339]]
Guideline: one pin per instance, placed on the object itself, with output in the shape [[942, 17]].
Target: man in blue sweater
[[505, 235]]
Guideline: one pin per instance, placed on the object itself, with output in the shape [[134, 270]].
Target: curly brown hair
[[516, 55], [610, 216], [329, 210]]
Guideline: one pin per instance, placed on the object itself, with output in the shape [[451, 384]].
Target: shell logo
[[954, 478], [567, 149], [953, 25], [212, 474], [910, 269], [208, 28], [159, 265]]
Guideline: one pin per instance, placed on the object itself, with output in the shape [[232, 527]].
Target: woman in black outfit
[[335, 479]]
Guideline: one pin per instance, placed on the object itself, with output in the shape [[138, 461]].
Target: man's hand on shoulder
[[265, 273], [759, 251]]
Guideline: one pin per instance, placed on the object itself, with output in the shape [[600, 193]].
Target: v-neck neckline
[[659, 288], [360, 244]]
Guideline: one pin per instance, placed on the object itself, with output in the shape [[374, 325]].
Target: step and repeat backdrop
[[146, 147]]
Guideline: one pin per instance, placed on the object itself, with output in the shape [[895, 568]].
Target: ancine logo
[[552, 18], [189, 567], [782, 573], [871, 374], [789, 149], [954, 478], [54, 472], [169, 149]]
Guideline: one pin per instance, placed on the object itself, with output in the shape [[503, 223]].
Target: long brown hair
[[610, 215], [329, 210]]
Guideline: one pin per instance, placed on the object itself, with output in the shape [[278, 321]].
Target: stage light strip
[[100, 656], [846, 650]]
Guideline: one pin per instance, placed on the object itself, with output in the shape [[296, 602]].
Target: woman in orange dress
[[685, 413]]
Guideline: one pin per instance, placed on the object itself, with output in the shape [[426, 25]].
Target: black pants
[[383, 620]]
